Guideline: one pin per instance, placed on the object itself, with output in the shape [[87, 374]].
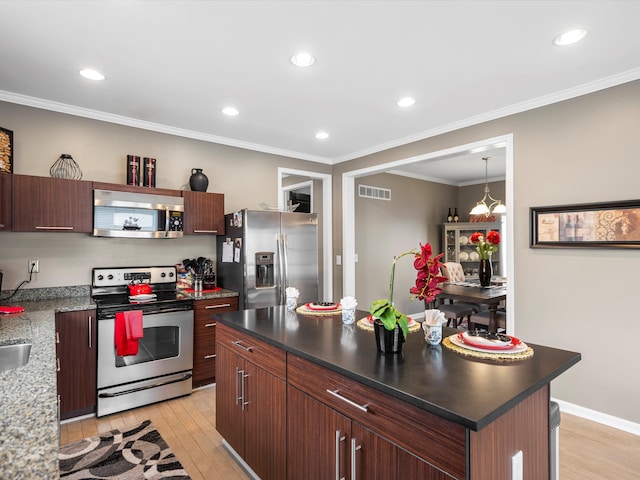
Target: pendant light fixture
[[496, 206]]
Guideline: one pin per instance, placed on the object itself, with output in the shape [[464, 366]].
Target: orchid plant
[[426, 288], [485, 248]]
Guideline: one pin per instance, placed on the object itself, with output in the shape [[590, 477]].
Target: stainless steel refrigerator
[[264, 252]]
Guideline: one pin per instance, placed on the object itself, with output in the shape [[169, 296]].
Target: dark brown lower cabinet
[[204, 337], [76, 349], [324, 444], [251, 406]]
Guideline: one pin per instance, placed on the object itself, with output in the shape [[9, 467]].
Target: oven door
[[166, 348]]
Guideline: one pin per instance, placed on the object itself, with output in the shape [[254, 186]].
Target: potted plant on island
[[390, 325]]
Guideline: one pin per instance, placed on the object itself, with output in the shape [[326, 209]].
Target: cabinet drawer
[[205, 308], [270, 358], [426, 435], [204, 362]]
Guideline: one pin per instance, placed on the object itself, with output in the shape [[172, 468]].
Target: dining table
[[490, 295]]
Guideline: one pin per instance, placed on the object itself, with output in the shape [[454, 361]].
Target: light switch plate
[[517, 467]]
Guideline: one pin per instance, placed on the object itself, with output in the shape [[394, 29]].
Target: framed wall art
[[6, 150], [591, 225]]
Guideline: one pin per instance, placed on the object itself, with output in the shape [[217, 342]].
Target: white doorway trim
[[327, 230], [348, 211]]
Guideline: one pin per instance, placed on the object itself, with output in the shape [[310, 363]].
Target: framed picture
[[6, 150], [591, 225]]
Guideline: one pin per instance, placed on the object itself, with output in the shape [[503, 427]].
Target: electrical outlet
[[33, 266], [517, 472]]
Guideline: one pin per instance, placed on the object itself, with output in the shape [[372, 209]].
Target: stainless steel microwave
[[137, 215]]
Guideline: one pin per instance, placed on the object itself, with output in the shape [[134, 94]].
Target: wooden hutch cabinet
[[457, 247]]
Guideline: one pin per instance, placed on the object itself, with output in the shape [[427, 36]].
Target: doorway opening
[[349, 214]]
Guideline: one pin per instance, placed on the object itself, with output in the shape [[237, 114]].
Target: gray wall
[[389, 228], [585, 300]]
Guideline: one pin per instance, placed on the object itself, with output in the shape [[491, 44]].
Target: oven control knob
[[110, 277], [100, 277], [171, 274], [163, 274]]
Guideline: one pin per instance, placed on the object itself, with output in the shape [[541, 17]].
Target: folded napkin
[[434, 317], [348, 303]]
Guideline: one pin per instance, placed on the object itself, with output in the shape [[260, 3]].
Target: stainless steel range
[[162, 367]]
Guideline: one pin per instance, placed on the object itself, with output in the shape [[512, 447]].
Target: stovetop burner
[[110, 291]]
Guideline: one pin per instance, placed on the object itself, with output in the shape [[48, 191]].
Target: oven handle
[[186, 376]]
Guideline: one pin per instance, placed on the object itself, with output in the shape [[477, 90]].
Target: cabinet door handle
[[354, 449], [53, 228], [237, 397], [222, 305], [57, 337], [210, 356], [244, 375], [204, 231], [238, 343], [210, 325], [57, 364], [339, 438], [336, 394], [89, 324]]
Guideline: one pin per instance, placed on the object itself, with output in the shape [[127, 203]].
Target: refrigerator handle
[[281, 272], [285, 268]]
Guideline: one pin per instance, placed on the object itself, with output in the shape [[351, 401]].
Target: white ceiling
[[172, 65]]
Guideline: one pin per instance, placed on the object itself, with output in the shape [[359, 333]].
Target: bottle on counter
[[455, 215], [449, 216]]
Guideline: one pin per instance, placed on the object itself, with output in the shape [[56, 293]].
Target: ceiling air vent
[[376, 193]]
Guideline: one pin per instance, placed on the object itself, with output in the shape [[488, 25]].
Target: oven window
[[157, 343]]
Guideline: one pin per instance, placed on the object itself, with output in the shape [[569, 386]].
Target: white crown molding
[[556, 97], [567, 94], [155, 127]]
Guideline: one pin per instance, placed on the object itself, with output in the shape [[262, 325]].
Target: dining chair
[[456, 312], [482, 318], [454, 272]]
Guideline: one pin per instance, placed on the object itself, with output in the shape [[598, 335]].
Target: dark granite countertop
[[28, 395], [468, 391]]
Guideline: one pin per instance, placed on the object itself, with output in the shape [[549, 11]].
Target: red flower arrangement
[[485, 248], [426, 288]]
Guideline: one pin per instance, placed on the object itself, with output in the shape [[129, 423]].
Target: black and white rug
[[134, 453]]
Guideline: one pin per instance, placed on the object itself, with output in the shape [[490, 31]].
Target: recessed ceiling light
[[570, 37], [302, 59], [91, 74], [322, 135], [231, 111], [406, 102]]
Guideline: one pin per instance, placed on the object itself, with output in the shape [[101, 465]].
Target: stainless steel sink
[[14, 354]]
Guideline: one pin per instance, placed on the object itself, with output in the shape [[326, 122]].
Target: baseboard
[[239, 460], [598, 417]]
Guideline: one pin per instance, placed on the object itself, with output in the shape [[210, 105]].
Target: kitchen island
[[460, 417]]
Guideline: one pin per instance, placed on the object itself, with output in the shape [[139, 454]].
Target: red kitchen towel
[[133, 324], [123, 345]]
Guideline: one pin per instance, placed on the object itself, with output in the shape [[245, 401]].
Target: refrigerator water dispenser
[[264, 270]]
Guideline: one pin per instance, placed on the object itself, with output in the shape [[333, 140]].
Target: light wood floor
[[588, 450]]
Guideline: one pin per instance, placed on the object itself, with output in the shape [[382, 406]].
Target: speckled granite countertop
[[28, 395], [209, 295]]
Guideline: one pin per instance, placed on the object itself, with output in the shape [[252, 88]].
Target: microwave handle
[[166, 221]]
